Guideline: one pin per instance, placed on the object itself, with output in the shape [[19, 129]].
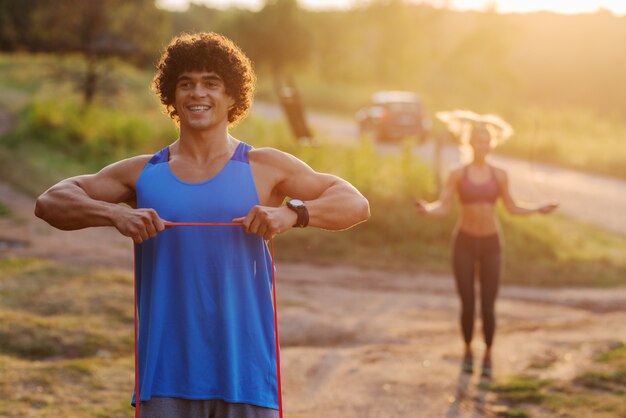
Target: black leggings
[[470, 254]]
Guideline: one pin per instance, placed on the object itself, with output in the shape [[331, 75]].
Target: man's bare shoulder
[[131, 164], [126, 171], [272, 157]]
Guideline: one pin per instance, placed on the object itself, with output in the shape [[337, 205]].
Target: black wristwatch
[[299, 207]]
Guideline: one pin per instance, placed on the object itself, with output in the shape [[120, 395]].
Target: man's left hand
[[267, 221]]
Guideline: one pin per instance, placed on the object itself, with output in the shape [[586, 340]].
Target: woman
[[477, 237]]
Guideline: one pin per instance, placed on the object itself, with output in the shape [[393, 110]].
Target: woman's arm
[[513, 207], [442, 206]]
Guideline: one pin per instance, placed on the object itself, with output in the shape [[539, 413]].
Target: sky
[[559, 6]]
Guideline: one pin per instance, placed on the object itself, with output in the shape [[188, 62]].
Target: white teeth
[[198, 108]]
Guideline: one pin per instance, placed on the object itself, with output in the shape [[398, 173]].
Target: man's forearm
[[339, 207], [68, 207]]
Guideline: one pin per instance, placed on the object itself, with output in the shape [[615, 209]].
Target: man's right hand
[[138, 224]]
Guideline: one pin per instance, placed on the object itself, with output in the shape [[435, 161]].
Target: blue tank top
[[470, 192], [206, 328]]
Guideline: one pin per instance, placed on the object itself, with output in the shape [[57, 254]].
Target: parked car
[[393, 115]]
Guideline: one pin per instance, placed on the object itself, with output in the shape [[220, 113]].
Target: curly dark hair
[[206, 51]]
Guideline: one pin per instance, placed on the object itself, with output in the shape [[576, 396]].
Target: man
[[206, 339]]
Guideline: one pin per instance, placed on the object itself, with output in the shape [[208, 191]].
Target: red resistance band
[[271, 245]]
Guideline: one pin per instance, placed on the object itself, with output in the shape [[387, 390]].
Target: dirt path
[[370, 344]]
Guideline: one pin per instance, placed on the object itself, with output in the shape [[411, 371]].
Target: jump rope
[[209, 224]]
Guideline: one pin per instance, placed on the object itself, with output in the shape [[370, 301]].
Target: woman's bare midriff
[[478, 219]]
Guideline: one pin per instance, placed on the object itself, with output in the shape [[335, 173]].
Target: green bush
[[94, 134], [4, 210]]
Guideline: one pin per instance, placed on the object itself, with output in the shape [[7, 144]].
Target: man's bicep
[[114, 183], [302, 182], [102, 188]]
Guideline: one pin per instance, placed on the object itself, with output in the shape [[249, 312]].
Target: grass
[[513, 413], [4, 210], [56, 136], [573, 137], [66, 350], [612, 377], [25, 76], [520, 389], [88, 387], [597, 392], [53, 139], [563, 252], [49, 310], [66, 340]]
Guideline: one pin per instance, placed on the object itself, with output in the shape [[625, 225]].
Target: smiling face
[[210, 52], [201, 101], [480, 141]]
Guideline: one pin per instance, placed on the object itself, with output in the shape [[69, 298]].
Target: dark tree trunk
[[91, 80]]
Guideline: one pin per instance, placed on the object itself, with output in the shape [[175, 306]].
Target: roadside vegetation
[[55, 137], [595, 392], [65, 351], [4, 210], [574, 137]]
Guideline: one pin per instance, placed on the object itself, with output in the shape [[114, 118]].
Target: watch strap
[[303, 215]]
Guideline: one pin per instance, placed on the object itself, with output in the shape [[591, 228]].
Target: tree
[[275, 37], [477, 63], [96, 30], [15, 19]]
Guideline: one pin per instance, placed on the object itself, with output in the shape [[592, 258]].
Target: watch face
[[296, 202]]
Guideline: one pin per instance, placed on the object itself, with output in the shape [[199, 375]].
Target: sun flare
[[558, 6], [503, 6]]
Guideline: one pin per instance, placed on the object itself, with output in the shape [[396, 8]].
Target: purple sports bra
[[486, 192]]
